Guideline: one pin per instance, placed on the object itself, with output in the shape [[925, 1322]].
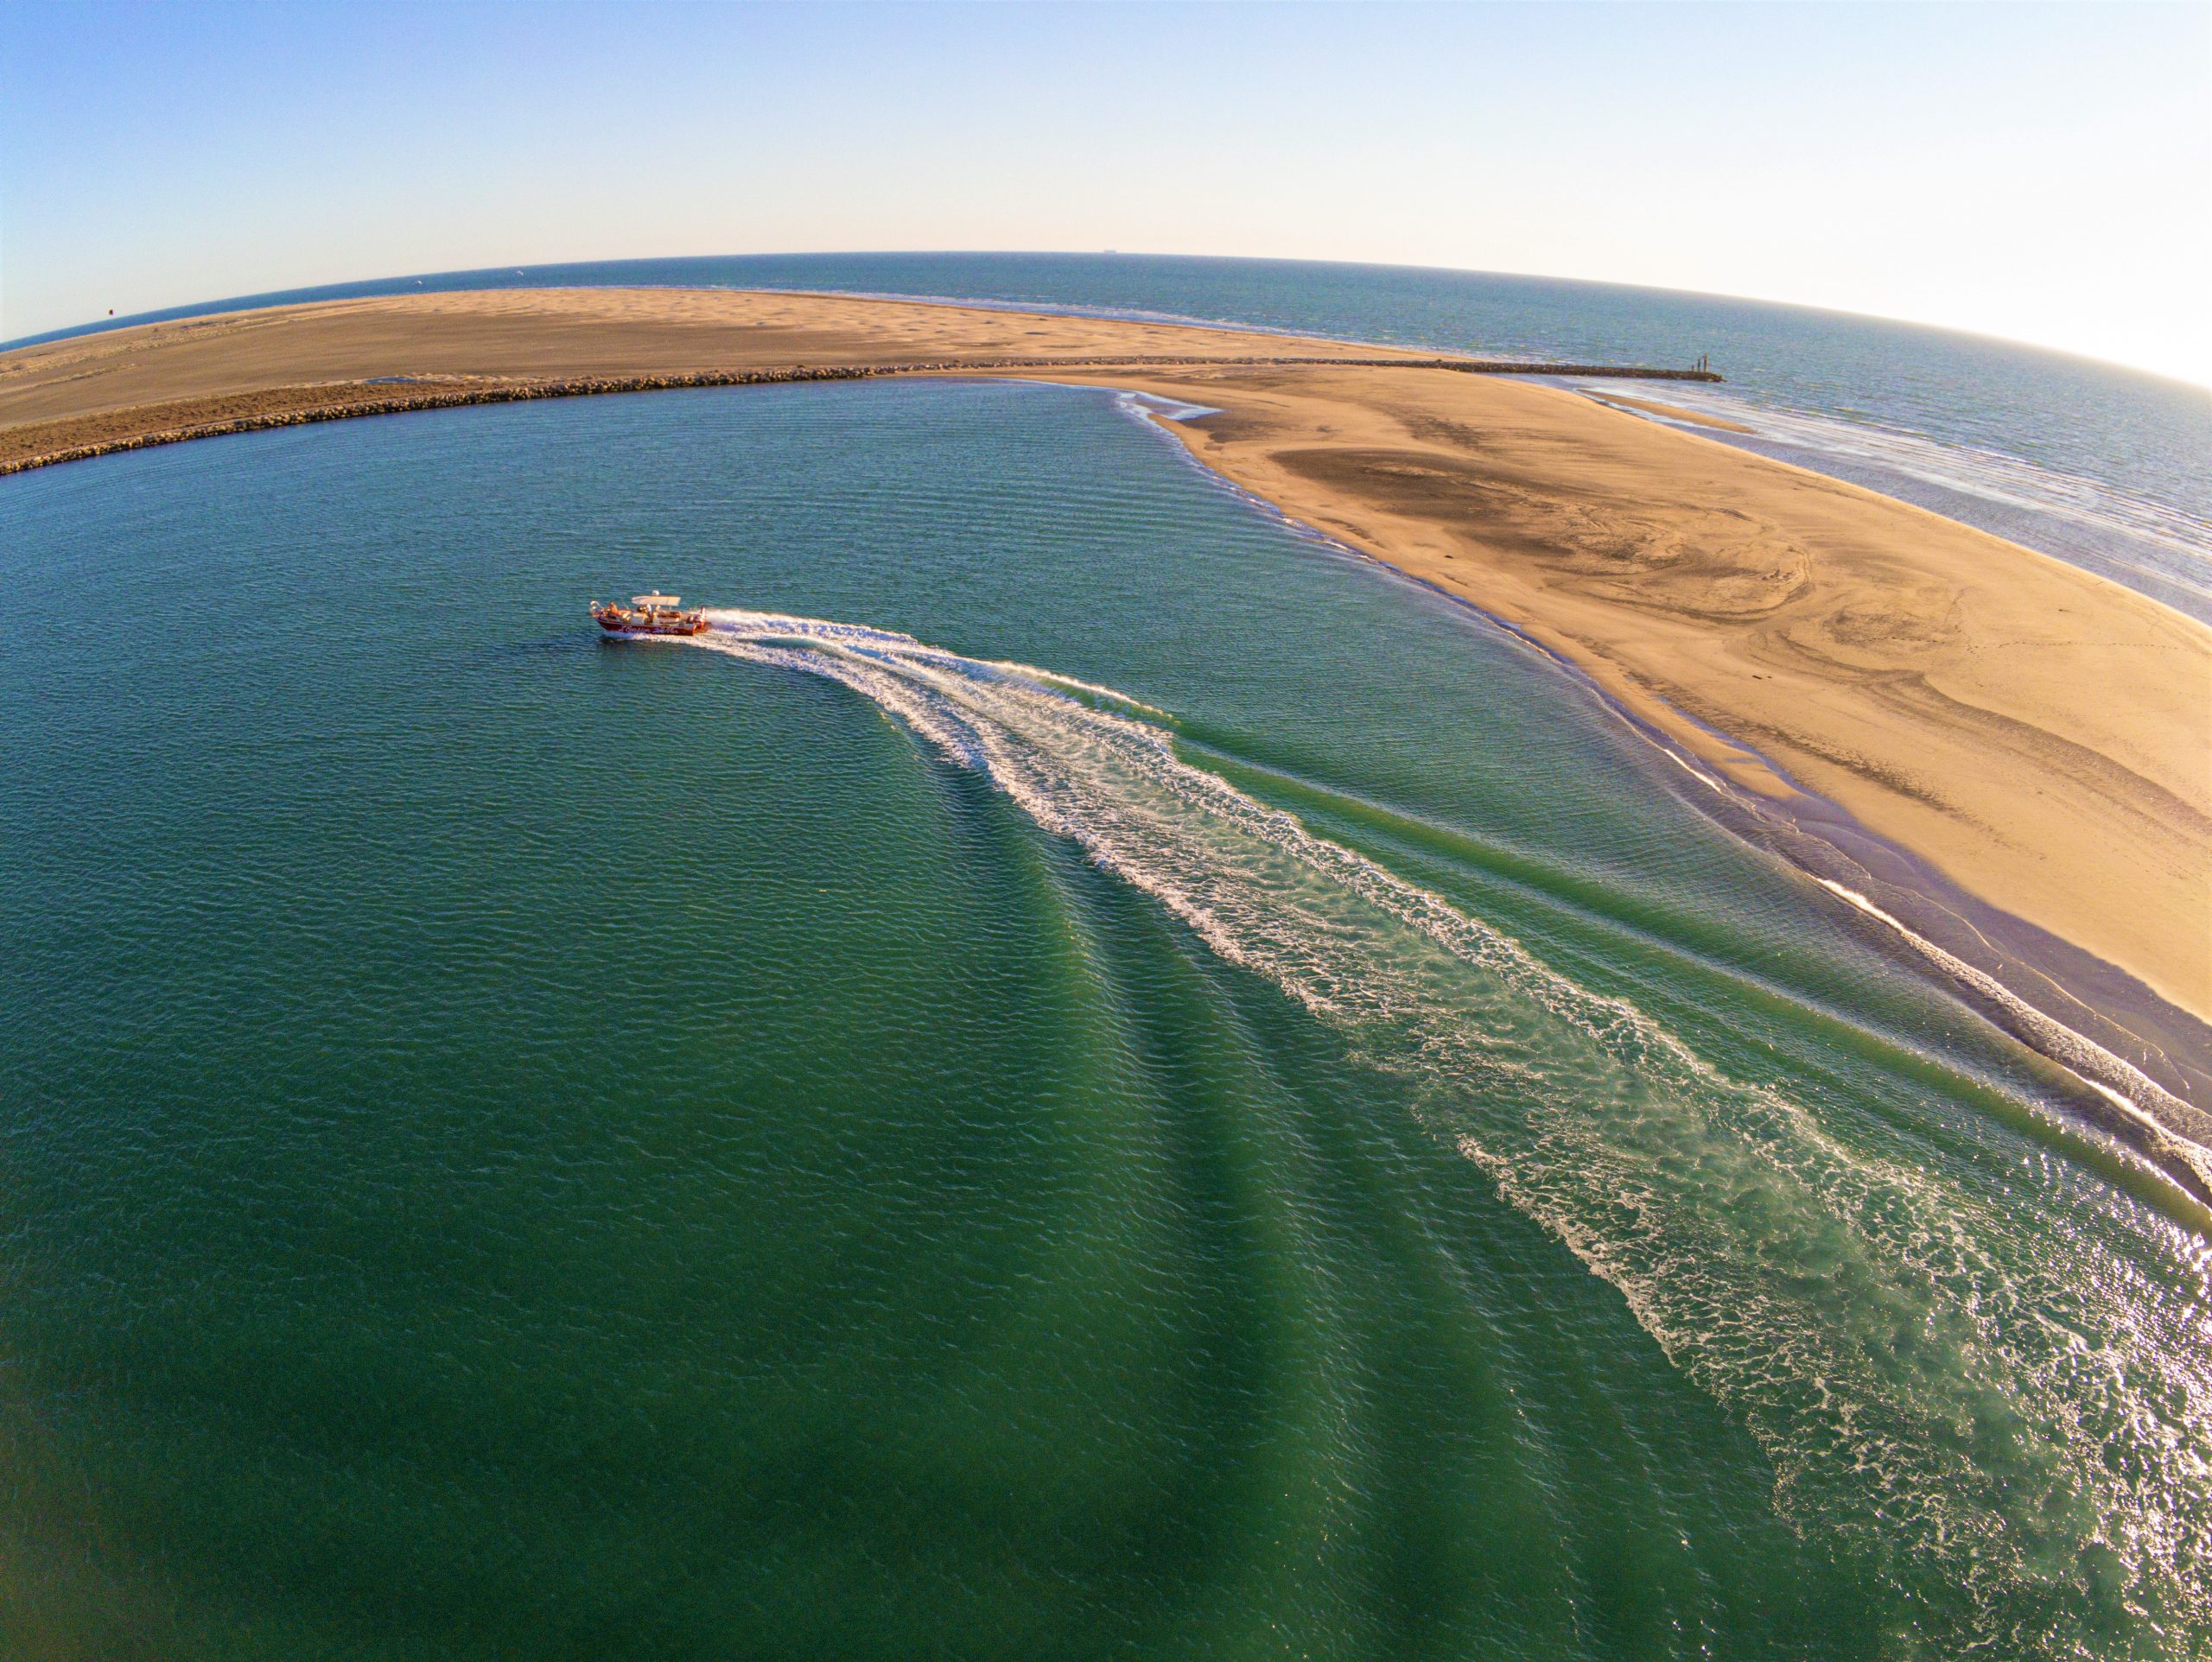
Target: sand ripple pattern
[[1949, 1392]]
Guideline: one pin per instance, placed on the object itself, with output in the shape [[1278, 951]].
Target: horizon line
[[264, 299]]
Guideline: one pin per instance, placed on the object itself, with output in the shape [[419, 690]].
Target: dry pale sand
[[2040, 735]]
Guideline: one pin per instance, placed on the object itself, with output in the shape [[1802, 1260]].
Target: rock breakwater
[[79, 438]]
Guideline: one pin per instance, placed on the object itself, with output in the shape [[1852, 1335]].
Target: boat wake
[[2012, 1399]]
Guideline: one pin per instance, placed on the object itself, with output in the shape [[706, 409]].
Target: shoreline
[[1926, 745], [1757, 741], [2002, 967]]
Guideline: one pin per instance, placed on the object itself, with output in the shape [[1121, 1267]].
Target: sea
[[1087, 1074]]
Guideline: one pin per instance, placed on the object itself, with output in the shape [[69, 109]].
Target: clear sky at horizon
[[2041, 173]]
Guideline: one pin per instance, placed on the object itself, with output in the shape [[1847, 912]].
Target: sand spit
[[2037, 737]]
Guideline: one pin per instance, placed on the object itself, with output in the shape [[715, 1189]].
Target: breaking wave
[[2153, 547], [2006, 1396]]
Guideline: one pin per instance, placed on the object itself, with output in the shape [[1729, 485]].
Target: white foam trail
[[2012, 1397], [2113, 1076], [1143, 404]]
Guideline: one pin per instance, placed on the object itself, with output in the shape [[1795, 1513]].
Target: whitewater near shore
[[2038, 735]]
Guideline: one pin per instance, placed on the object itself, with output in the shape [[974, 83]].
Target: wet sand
[[1672, 412], [2038, 736]]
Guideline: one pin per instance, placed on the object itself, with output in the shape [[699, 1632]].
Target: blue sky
[[2041, 173]]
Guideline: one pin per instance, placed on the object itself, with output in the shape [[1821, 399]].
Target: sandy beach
[[2040, 736]]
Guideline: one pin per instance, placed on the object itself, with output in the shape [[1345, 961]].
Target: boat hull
[[621, 622]]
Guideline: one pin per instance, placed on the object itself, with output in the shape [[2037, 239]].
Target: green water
[[821, 1144]]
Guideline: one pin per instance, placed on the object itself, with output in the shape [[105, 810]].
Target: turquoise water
[[1230, 1142], [2104, 466]]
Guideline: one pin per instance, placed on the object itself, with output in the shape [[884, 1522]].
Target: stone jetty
[[43, 444]]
